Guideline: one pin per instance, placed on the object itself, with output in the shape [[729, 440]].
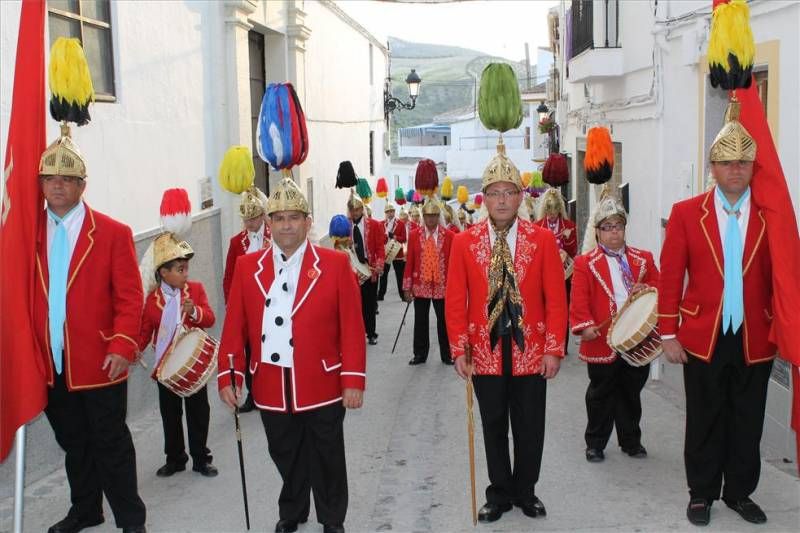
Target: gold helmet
[[167, 248], [431, 206], [403, 214], [501, 169], [608, 206], [354, 201], [733, 142], [551, 203], [389, 207], [254, 203], [62, 158], [287, 197], [462, 216]]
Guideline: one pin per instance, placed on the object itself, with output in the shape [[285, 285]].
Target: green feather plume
[[499, 103]]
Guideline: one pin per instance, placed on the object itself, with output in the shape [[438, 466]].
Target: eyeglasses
[[72, 180], [612, 227], [508, 194]]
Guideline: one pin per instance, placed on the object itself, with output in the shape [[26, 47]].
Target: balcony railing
[[582, 26]]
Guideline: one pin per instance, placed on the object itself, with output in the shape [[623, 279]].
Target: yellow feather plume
[[446, 191], [70, 82], [462, 194], [236, 172], [731, 47]]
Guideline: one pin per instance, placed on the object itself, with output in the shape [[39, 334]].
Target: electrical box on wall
[[206, 193]]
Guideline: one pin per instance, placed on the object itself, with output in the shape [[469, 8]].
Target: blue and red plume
[[282, 138]]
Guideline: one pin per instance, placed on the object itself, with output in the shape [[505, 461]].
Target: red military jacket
[[154, 306], [452, 227], [104, 301], [399, 232], [540, 277], [694, 312], [592, 298], [328, 332], [565, 234], [237, 247], [375, 244], [411, 275]]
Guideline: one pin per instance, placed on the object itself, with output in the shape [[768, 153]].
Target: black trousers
[[725, 403], [197, 415], [248, 377], [568, 284], [90, 427], [613, 398], [399, 268], [422, 343], [308, 450], [369, 305], [522, 399]]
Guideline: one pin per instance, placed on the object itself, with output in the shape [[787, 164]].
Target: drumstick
[[239, 443]]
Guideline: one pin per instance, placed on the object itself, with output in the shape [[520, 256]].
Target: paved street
[[407, 464]]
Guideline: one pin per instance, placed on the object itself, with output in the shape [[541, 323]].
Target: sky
[[495, 27]]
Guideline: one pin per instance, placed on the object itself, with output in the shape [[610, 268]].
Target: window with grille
[[89, 21]]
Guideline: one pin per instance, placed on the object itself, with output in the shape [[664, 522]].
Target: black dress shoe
[[72, 524], [637, 452], [699, 511], [448, 362], [332, 529], [248, 404], [491, 512], [372, 341], [532, 507], [286, 526], [134, 529], [748, 509], [416, 361], [595, 455], [169, 469], [206, 469]]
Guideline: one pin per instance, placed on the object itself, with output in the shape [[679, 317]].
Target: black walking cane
[[239, 444], [401, 326]]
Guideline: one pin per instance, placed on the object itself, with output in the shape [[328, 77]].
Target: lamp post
[[391, 104], [543, 111]]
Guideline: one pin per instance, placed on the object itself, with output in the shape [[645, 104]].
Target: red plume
[[176, 211], [427, 178], [556, 171]]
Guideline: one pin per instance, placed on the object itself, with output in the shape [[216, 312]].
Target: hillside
[[450, 75]]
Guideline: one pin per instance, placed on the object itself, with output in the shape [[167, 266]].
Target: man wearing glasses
[[506, 316], [602, 281], [87, 308]]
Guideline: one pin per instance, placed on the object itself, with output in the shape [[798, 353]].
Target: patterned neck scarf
[[505, 302], [169, 319], [622, 260], [429, 267]]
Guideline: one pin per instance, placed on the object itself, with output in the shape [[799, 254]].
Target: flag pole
[[19, 479]]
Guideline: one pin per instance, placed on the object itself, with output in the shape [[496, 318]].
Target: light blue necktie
[[733, 295], [58, 268]]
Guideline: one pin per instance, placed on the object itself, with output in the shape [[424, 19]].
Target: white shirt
[[722, 218], [256, 239], [277, 345], [511, 239], [390, 224], [72, 224], [434, 234], [617, 281]]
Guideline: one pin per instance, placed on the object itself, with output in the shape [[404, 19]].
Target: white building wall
[[473, 146]]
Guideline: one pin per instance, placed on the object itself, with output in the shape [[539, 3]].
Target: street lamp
[[543, 111], [391, 104]]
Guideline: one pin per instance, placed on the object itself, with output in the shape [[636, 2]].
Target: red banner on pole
[[23, 388]]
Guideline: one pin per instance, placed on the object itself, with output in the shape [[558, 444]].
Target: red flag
[[771, 194], [23, 387]]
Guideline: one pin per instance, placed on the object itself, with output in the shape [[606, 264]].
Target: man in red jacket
[[394, 229], [368, 244], [87, 308], [254, 237], [425, 278], [604, 278], [506, 320], [296, 305], [718, 326]]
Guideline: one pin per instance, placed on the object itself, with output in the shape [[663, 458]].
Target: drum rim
[[181, 373], [638, 337]]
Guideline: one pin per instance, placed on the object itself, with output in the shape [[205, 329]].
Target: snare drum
[[189, 363], [634, 331], [362, 270], [392, 249]]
